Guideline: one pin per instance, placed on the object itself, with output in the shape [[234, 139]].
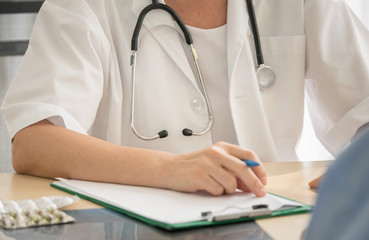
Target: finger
[[228, 156], [241, 153], [259, 170], [247, 176], [224, 178], [242, 186], [212, 186], [252, 182]]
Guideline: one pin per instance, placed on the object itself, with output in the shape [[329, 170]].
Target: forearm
[[49, 151]]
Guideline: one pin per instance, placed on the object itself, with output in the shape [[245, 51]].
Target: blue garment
[[342, 207]]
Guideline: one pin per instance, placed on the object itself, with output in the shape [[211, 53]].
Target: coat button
[[197, 105]]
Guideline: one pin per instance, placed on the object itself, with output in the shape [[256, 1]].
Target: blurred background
[[16, 22]]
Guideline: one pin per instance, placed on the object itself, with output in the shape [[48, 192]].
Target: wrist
[[165, 170]]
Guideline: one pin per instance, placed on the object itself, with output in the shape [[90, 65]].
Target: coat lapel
[[252, 128], [237, 27]]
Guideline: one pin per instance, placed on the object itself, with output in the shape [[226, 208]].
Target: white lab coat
[[77, 71]]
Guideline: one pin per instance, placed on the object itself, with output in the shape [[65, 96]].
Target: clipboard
[[171, 210]]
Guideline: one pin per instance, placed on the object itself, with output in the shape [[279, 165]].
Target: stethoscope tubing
[[188, 39], [264, 73], [136, 32], [255, 32]]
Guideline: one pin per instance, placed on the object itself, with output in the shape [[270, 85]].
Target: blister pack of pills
[[39, 212]]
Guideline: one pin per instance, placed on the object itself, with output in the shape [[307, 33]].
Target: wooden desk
[[287, 179], [290, 179]]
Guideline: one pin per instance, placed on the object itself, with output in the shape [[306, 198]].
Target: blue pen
[[250, 163]]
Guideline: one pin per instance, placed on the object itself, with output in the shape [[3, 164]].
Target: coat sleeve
[[337, 71], [61, 76]]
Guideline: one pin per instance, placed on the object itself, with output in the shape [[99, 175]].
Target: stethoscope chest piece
[[265, 76]]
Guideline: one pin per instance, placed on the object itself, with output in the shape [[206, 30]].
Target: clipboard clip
[[254, 211]]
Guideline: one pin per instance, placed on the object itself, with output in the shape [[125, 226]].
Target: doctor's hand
[[217, 170]]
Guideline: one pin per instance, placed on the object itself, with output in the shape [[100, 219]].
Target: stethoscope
[[264, 73]]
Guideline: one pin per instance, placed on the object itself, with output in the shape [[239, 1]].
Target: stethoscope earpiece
[[163, 134], [187, 132]]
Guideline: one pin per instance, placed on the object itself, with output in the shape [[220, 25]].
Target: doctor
[[69, 112]]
